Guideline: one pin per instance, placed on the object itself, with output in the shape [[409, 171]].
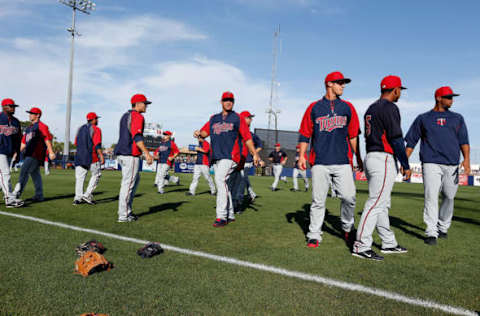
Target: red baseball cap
[[336, 76], [246, 114], [445, 92], [168, 133], [227, 95], [139, 98], [277, 145], [391, 82], [8, 101], [35, 111], [92, 116]]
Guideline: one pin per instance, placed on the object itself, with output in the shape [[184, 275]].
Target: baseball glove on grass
[[91, 262], [91, 245], [149, 250]]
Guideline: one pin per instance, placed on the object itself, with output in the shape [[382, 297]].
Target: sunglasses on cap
[[228, 99]]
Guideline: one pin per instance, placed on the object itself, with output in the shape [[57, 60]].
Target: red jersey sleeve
[[354, 125], [206, 128], [306, 127], [244, 130], [174, 149], [44, 131], [97, 138], [136, 127], [156, 151], [24, 140], [206, 146]]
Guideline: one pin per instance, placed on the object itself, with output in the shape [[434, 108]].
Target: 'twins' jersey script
[[329, 124]]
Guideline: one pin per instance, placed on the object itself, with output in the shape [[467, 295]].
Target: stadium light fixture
[[84, 6]]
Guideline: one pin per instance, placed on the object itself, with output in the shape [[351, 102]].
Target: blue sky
[[183, 54]]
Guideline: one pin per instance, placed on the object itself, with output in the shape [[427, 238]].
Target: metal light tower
[[84, 6], [273, 85]]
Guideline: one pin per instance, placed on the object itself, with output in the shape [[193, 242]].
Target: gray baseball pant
[[303, 173], [277, 171], [438, 178], [223, 169], [81, 174], [30, 167], [5, 181], [201, 170], [381, 170], [246, 172], [341, 176], [129, 184], [162, 171]]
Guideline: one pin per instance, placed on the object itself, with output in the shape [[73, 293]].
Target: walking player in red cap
[[10, 139], [385, 145], [89, 156], [35, 143], [226, 130], [443, 135], [128, 150], [279, 158], [331, 127], [165, 154]]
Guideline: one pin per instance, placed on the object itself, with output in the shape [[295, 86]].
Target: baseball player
[[165, 154], [89, 156], [330, 125], [35, 142], [297, 171], [128, 150], [443, 135], [202, 167], [385, 145], [257, 142], [279, 158], [10, 139], [226, 129]]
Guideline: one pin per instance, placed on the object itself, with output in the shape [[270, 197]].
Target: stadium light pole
[[275, 115], [84, 6]]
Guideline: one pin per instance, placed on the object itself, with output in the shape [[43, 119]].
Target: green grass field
[[36, 260]]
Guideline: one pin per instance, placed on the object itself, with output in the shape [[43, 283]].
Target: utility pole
[[84, 6]]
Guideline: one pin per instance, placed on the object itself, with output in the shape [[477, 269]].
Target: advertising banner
[[184, 167]]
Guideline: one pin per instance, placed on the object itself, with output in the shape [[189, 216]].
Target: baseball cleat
[[442, 235], [313, 243], [160, 192], [293, 190], [77, 202], [431, 241], [398, 249], [369, 254], [88, 200], [220, 222], [252, 199], [14, 204], [306, 189], [130, 218], [231, 220], [273, 189]]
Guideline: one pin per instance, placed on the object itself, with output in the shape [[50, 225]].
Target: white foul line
[[289, 273]]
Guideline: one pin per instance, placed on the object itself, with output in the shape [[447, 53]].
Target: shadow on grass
[[334, 227], [177, 190], [113, 198], [404, 226], [466, 220], [162, 207]]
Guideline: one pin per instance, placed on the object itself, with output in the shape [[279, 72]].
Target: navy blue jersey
[[257, 142], [131, 131], [329, 125], [382, 124], [226, 133], [10, 135], [277, 156], [84, 142], [441, 134], [34, 139], [163, 151], [203, 157]]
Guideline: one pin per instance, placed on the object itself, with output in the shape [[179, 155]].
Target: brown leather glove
[[91, 262]]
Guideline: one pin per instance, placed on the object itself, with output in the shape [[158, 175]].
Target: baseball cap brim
[[403, 88], [344, 80], [451, 95], [31, 112], [147, 102], [14, 105]]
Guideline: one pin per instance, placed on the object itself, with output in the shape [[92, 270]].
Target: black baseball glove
[[149, 250]]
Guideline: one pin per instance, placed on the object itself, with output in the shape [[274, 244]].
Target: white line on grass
[[289, 273]]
